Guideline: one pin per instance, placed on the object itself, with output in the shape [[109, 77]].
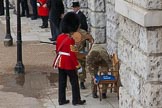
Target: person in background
[[56, 11], [84, 26], [25, 8], [66, 60], [1, 7], [43, 12], [34, 9], [82, 17]]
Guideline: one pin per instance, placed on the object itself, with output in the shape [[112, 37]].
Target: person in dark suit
[[25, 8], [1, 7], [84, 26], [82, 17], [56, 11], [34, 9]]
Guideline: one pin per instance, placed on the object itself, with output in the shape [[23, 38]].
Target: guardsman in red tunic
[[66, 53], [43, 12], [66, 59]]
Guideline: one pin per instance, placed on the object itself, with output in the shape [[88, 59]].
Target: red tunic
[[42, 11], [68, 62]]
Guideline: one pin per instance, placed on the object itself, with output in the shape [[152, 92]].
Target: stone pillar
[[97, 20], [140, 52]]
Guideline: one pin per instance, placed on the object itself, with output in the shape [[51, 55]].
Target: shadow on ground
[[34, 84]]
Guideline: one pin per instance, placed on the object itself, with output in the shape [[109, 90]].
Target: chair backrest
[[115, 60], [115, 66]]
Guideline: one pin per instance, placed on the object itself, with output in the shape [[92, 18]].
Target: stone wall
[[112, 26], [97, 20], [140, 51]]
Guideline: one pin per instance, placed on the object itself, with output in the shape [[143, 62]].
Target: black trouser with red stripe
[[63, 83]]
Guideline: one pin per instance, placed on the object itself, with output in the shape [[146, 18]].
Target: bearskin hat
[[70, 23]]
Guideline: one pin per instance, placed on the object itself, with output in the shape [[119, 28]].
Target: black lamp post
[[8, 41], [19, 68]]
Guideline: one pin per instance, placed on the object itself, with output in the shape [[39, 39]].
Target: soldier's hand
[[45, 5], [38, 4], [80, 70]]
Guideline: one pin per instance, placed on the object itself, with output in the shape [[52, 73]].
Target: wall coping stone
[[143, 17]]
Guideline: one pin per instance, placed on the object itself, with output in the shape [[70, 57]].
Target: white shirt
[[77, 12]]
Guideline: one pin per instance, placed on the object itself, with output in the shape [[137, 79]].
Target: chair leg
[[100, 93], [111, 87], [115, 87]]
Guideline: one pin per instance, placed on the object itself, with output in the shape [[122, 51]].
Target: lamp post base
[[19, 68], [8, 42]]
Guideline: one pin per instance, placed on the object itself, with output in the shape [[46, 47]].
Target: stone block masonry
[[140, 50]]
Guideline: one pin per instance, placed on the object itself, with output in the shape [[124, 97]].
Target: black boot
[[104, 95], [1, 14], [80, 102], [23, 14], [94, 95], [64, 102], [27, 14], [82, 86], [44, 26]]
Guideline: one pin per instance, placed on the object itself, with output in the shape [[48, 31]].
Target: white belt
[[64, 53], [59, 55]]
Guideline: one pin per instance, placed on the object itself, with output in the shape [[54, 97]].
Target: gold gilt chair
[[111, 78]]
